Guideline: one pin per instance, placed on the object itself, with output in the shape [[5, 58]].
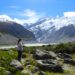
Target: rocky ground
[[38, 62]]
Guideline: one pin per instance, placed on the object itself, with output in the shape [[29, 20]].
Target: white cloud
[[32, 16], [29, 16], [69, 14], [29, 13], [14, 7]]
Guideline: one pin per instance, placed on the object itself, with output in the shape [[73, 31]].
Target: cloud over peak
[[69, 14], [32, 16], [29, 16], [5, 18]]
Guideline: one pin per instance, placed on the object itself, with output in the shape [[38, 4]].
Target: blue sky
[[52, 8]]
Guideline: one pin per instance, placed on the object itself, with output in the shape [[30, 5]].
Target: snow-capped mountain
[[5, 18], [53, 30], [48, 30]]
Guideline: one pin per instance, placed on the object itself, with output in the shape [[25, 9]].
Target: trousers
[[19, 55]]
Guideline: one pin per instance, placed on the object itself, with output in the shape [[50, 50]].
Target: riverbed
[[13, 46]]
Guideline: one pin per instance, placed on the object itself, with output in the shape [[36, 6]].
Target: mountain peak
[[5, 18]]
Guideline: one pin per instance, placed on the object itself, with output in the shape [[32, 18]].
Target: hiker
[[20, 49]]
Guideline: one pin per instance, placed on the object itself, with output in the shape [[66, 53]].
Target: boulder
[[51, 65], [69, 61], [25, 72], [52, 54], [16, 64], [64, 55], [44, 54], [39, 54]]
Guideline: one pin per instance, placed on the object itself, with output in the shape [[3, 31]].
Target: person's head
[[19, 40]]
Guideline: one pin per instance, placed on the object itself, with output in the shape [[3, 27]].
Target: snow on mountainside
[[5, 18], [57, 23], [45, 29], [44, 23]]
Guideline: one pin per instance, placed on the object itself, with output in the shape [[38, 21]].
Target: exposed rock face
[[16, 64]]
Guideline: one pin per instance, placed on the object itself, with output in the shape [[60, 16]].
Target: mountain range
[[53, 30], [45, 30]]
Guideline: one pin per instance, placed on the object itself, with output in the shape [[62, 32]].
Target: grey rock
[[49, 65], [69, 61], [16, 64], [44, 54], [25, 72], [52, 54], [64, 55]]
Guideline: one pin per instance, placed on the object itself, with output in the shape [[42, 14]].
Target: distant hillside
[[6, 39], [10, 31]]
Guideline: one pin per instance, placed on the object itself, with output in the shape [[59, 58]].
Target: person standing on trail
[[20, 49]]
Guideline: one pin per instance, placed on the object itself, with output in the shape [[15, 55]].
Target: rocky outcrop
[[44, 54]]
